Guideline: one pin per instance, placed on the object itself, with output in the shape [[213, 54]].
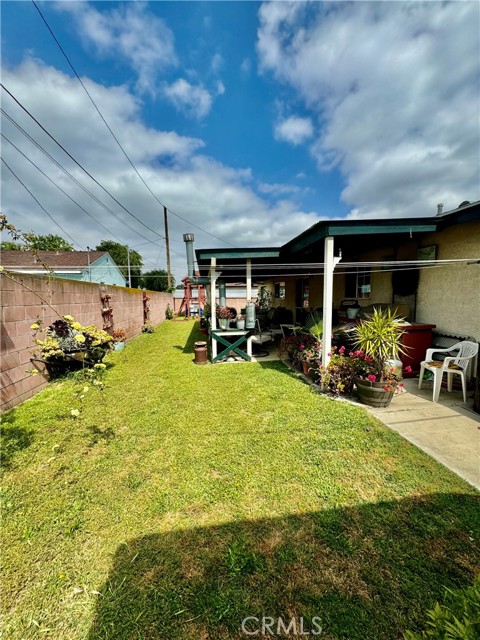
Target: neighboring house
[[374, 267], [87, 266]]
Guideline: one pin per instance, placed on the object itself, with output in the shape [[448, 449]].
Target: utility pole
[[128, 267], [167, 244], [88, 262]]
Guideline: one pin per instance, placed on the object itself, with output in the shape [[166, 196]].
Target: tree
[[119, 253], [8, 245], [157, 280], [49, 242]]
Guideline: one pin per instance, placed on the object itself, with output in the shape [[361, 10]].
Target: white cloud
[[246, 67], [217, 62], [128, 31], [220, 199], [294, 130], [395, 86], [277, 189], [193, 100], [220, 88]]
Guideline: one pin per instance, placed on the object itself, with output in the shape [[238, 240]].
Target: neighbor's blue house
[[87, 266]]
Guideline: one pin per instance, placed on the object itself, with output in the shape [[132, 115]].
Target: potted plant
[[67, 346], [224, 314], [339, 374], [119, 336], [378, 340], [310, 358]]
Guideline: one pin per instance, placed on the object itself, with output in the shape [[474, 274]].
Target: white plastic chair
[[259, 337], [452, 365]]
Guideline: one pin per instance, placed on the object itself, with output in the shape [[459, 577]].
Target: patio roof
[[377, 226]]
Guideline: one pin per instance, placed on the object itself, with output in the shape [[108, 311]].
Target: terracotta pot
[[373, 393]]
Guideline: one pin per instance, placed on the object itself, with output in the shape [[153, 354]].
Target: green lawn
[[188, 498]]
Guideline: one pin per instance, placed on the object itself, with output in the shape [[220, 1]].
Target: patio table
[[219, 336]]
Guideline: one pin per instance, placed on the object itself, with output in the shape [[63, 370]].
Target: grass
[[186, 498]]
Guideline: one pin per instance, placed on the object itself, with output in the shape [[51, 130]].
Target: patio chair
[[454, 365], [259, 337]]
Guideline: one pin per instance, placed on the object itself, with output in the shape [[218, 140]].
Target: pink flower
[[341, 351], [302, 346], [408, 369], [386, 388], [367, 359], [372, 378]]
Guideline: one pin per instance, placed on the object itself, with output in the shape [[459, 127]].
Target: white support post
[[213, 302], [330, 263], [249, 279]]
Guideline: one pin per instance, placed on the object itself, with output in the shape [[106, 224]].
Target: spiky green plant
[[380, 338], [314, 325]]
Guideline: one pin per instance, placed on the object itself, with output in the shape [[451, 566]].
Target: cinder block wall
[[29, 297]]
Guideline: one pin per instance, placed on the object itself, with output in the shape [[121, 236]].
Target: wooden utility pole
[[167, 243]]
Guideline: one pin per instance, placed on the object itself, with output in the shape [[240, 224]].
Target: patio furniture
[[258, 338], [221, 337], [453, 365]]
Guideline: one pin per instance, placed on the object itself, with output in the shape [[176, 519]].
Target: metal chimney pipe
[[439, 209], [188, 238]]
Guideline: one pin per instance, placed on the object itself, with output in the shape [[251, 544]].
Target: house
[[87, 266], [430, 264]]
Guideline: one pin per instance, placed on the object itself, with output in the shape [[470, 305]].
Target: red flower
[[367, 359], [408, 369], [341, 351], [372, 378]]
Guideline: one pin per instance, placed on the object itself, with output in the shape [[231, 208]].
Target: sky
[[249, 121]]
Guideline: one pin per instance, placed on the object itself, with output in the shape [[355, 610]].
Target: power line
[[60, 188], [79, 164], [112, 133], [39, 204], [75, 180]]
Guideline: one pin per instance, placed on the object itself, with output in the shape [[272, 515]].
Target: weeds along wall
[[27, 298]]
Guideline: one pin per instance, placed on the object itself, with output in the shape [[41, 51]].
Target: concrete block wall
[[26, 298]]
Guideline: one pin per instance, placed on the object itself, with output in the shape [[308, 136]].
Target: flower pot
[[305, 367], [223, 323], [373, 393], [241, 324], [119, 346]]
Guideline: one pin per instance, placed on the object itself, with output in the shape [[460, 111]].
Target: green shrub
[[457, 619]]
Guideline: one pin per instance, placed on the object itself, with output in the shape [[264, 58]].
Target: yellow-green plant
[[380, 339]]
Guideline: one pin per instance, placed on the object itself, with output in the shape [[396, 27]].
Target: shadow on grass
[[97, 434], [193, 337], [14, 438], [368, 572]]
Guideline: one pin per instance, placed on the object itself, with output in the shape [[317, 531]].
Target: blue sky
[[250, 120]]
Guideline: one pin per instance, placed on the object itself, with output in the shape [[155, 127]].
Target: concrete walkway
[[449, 431]]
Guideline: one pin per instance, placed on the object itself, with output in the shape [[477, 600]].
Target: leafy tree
[[157, 280], [119, 253], [49, 242], [8, 245]]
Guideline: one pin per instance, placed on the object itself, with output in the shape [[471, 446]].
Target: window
[[280, 290], [358, 284]]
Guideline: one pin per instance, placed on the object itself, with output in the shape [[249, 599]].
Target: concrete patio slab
[[449, 431]]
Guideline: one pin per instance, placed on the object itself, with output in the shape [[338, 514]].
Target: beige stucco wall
[[450, 296], [447, 296]]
